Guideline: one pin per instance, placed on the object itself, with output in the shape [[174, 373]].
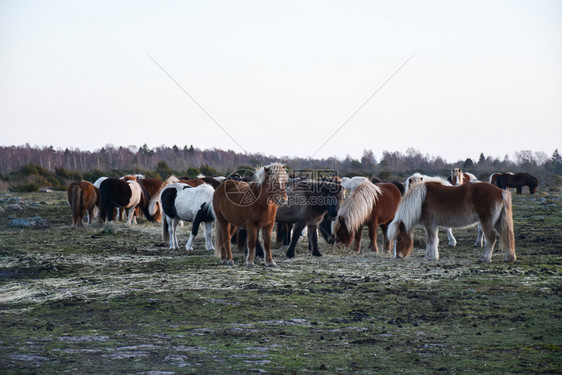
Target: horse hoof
[[484, 260], [272, 265], [229, 263], [317, 254], [250, 264], [290, 255], [210, 248]]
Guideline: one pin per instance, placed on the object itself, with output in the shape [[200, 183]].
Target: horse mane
[[275, 169], [355, 209], [409, 211], [418, 177]]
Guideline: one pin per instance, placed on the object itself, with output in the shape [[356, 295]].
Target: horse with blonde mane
[[372, 205], [251, 206], [433, 204]]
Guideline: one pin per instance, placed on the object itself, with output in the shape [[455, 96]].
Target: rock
[[31, 222]]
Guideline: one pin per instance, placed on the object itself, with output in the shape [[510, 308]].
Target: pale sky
[[282, 76]]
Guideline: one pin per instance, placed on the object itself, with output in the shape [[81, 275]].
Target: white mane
[[409, 211], [355, 209], [418, 177]]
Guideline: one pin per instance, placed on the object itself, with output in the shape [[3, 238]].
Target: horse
[[370, 204], [433, 204], [180, 201], [251, 206], [458, 177], [153, 186], [308, 202], [494, 178], [118, 193], [517, 180], [417, 178], [351, 183], [83, 197]]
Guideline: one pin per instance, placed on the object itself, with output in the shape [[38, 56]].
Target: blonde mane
[[409, 211], [355, 209], [276, 170]]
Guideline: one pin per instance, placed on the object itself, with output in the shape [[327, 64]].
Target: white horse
[[183, 202], [352, 183]]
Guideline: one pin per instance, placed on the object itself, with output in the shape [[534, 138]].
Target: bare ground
[[114, 299]]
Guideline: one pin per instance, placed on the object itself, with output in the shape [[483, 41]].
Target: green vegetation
[[114, 299]]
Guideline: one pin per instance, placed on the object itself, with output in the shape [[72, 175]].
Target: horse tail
[[504, 226], [145, 200], [165, 229], [76, 205], [219, 241], [106, 206]]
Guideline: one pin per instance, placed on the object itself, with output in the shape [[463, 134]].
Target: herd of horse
[[243, 207]]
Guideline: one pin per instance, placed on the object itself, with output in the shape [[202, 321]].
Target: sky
[[288, 78]]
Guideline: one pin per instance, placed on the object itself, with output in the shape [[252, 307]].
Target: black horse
[[308, 202], [517, 181], [125, 194]]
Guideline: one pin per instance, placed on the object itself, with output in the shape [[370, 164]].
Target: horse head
[[340, 232], [404, 242], [275, 180]]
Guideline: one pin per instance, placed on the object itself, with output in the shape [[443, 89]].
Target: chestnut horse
[[118, 193], [372, 205], [153, 186], [83, 197], [251, 206], [517, 180], [433, 204]]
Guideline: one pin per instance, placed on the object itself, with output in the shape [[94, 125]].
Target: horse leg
[[452, 240], [294, 239], [519, 190], [490, 235], [480, 237], [372, 226], [431, 250], [357, 241], [130, 214], [252, 236], [266, 233], [386, 242], [174, 233], [208, 236], [313, 240]]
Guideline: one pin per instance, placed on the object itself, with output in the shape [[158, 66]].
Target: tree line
[[29, 168]]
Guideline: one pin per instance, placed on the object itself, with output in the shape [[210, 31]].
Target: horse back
[[387, 203]]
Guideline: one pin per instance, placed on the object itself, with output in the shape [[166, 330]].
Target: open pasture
[[114, 299]]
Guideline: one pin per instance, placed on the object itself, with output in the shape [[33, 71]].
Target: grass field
[[114, 299]]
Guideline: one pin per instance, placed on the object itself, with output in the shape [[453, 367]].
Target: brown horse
[[517, 181], [153, 186], [433, 204], [372, 205], [83, 197], [251, 206]]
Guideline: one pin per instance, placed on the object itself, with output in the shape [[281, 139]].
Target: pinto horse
[[517, 180], [307, 204], [372, 205], [83, 197], [251, 206], [182, 202], [433, 204], [126, 194], [458, 177]]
